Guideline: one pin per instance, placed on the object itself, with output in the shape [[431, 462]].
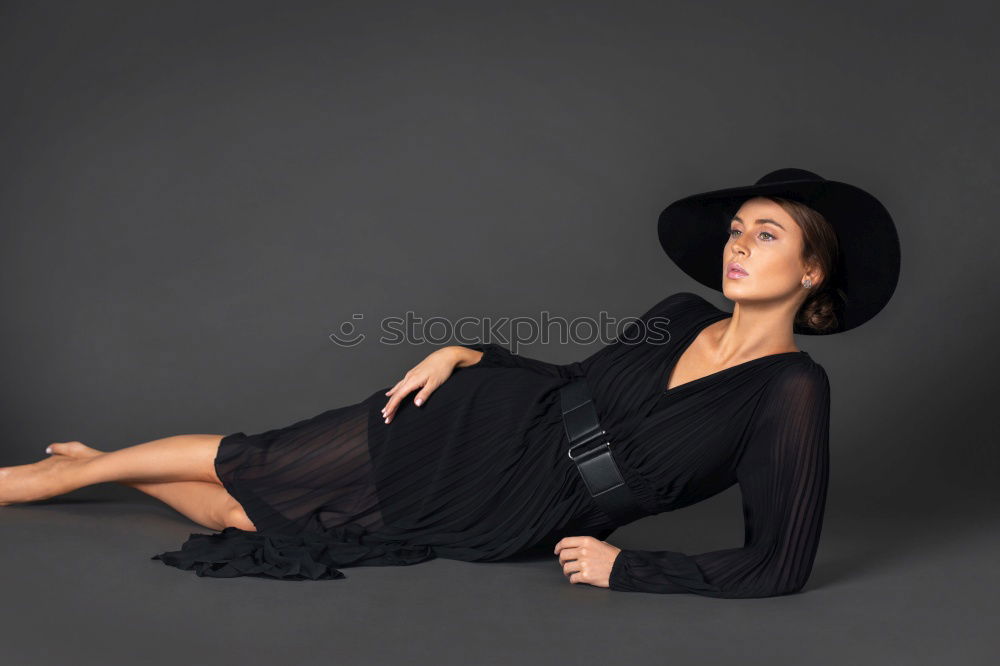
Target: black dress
[[480, 471]]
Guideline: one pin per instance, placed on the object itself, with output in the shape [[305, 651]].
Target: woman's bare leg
[[175, 459], [203, 502]]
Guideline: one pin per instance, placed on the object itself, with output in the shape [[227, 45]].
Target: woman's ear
[[814, 272]]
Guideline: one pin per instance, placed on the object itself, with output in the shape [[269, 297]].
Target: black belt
[[590, 450]]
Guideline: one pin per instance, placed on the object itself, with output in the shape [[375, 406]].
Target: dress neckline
[[714, 316]]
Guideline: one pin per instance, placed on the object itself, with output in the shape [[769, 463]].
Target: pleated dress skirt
[[477, 473]]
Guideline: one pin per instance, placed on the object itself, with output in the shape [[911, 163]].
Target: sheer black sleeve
[[496, 356], [783, 475]]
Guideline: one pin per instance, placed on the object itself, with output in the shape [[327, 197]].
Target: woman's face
[[767, 243]]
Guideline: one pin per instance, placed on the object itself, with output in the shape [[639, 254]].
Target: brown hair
[[820, 244]]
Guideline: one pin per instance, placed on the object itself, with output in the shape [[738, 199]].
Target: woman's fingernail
[[419, 401], [48, 449]]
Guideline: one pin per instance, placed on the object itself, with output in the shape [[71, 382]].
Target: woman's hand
[[427, 376], [586, 559]]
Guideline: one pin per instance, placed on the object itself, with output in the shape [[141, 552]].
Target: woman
[[475, 467]]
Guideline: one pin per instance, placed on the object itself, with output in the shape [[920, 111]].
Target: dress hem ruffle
[[308, 555]]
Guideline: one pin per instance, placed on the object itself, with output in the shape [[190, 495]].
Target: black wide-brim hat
[[694, 230]]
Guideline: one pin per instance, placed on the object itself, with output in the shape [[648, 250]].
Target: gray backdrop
[[195, 195]]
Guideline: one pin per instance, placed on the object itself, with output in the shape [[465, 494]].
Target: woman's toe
[[71, 449]]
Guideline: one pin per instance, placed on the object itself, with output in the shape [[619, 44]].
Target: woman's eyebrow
[[761, 220]]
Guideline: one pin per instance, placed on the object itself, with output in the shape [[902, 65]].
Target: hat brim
[[693, 232]]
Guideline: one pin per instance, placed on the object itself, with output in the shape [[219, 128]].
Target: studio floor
[[79, 588]]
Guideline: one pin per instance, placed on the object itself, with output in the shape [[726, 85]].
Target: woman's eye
[[770, 236]]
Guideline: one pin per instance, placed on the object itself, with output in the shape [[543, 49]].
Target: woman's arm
[[495, 356], [783, 476]]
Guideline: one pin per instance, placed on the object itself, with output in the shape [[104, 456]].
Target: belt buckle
[[588, 440]]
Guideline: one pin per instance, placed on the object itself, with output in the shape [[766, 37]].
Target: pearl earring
[[808, 283]]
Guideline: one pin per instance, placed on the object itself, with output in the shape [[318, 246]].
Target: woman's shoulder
[[681, 302], [795, 368], [687, 297], [799, 377]]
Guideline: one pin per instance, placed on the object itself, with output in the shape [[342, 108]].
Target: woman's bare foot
[[74, 450], [37, 481]]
